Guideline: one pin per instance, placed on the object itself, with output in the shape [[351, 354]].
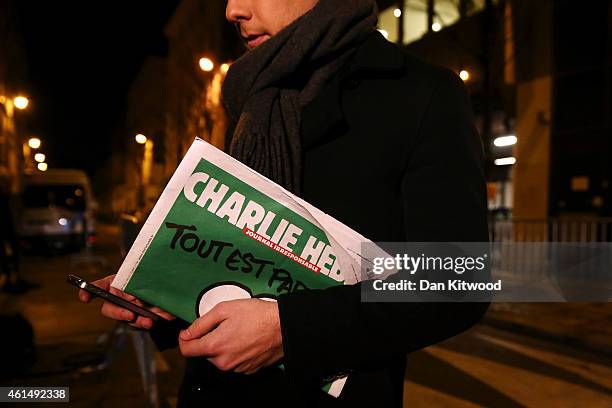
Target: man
[[325, 106]]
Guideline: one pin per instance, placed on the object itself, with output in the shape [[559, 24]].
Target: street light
[[464, 75], [21, 102], [141, 139], [225, 67], [397, 13], [436, 27], [206, 64], [42, 166], [34, 142], [40, 157]]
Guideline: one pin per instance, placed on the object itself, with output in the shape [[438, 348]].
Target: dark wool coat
[[390, 149]]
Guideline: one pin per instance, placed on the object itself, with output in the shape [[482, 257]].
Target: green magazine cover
[[221, 231]]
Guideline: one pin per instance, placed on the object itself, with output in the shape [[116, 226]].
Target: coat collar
[[324, 117], [377, 54]]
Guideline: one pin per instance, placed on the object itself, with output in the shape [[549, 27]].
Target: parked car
[[57, 209]]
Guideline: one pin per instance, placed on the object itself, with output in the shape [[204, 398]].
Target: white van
[[57, 209]]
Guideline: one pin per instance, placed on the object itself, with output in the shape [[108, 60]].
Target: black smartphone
[[96, 291]]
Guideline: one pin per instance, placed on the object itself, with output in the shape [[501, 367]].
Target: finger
[[243, 368], [251, 364], [126, 296], [116, 313], [162, 313], [142, 322], [199, 347], [84, 296], [104, 283], [224, 363], [205, 323]]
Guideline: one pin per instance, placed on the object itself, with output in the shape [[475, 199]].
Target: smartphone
[[96, 291]]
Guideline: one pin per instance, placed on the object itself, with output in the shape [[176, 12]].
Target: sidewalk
[[582, 325], [67, 333]]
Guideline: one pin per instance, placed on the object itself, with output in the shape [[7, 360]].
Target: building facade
[[12, 84], [173, 100], [539, 72]]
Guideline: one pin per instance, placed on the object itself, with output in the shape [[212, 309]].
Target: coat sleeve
[[331, 332], [165, 333]]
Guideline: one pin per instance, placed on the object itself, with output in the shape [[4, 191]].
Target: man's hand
[[238, 335], [118, 313]]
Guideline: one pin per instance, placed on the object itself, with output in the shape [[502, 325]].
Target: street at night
[[306, 203], [486, 366]]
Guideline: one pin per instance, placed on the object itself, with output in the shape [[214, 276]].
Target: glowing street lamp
[[34, 142], [464, 75], [206, 64], [397, 13], [40, 157], [42, 166], [225, 67], [141, 139], [436, 27], [21, 102]]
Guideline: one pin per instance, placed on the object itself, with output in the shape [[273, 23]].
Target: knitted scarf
[[266, 89]]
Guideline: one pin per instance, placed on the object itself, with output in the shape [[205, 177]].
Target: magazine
[[221, 231]]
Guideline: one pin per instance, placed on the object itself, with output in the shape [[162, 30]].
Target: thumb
[[203, 324]]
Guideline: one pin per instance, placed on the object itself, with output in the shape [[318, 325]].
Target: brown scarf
[[266, 89]]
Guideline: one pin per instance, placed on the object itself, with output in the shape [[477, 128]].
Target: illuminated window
[[388, 24], [447, 12], [415, 20], [475, 6]]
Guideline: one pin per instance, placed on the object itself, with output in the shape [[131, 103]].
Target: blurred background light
[[21, 102], [505, 161], [140, 138], [505, 141], [34, 142], [206, 64]]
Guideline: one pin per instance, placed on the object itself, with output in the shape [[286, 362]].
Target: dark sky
[[82, 57]]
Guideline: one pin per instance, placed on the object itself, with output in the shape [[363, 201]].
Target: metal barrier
[[567, 252], [551, 230]]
